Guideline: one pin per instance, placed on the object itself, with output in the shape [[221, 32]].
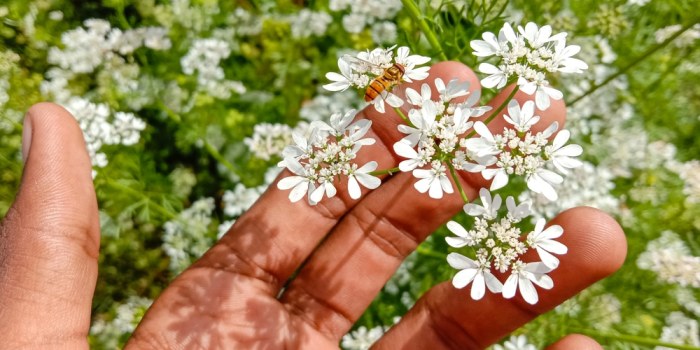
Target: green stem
[[634, 339], [219, 158], [453, 173], [415, 12], [385, 171], [634, 62], [499, 109], [403, 116]]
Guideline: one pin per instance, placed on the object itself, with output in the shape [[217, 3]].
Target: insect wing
[[362, 66]]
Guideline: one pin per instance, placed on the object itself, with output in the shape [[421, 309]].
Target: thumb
[[49, 240]]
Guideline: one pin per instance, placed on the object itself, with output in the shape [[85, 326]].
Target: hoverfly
[[386, 78]]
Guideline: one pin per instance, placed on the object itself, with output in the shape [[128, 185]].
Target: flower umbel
[[498, 243], [327, 154], [526, 58]]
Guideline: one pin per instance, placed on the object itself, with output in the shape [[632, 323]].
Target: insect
[[386, 80]]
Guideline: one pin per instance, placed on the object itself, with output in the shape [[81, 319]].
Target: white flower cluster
[[517, 151], [374, 70], [680, 329], [433, 137], [686, 39], [203, 59], [498, 246], [671, 260], [239, 200], [86, 48], [128, 315], [518, 342], [327, 153], [362, 338], [187, 236], [689, 172], [8, 63], [269, 140], [363, 13], [99, 129], [528, 56], [307, 23]]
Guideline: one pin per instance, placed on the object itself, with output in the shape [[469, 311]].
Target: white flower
[[537, 37], [541, 181], [362, 176], [485, 145], [390, 99], [563, 60], [301, 184], [543, 92], [454, 89], [543, 241], [523, 119], [561, 155], [417, 99], [477, 273], [434, 180], [340, 82], [404, 149], [522, 278], [490, 46], [325, 187], [463, 238], [498, 77], [410, 62], [518, 212], [488, 208], [423, 121]]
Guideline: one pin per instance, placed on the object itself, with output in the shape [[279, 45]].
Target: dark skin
[[230, 298]]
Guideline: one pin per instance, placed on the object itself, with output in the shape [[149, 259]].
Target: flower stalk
[[415, 12]]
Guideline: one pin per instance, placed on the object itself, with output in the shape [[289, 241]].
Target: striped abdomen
[[391, 77]]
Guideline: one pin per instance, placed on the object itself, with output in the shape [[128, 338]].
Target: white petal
[[553, 246], [393, 100], [548, 259], [456, 242], [446, 184], [492, 282], [561, 139], [543, 281], [422, 185], [460, 262], [354, 188], [500, 180], [289, 182], [510, 286], [368, 181], [413, 97], [463, 278], [457, 229], [299, 191], [435, 189], [527, 290], [478, 287]]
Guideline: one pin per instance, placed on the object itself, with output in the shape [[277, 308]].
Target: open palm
[[285, 276]]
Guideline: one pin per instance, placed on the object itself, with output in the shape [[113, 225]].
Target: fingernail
[[26, 137]]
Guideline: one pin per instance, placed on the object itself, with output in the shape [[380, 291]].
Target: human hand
[[231, 297]]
